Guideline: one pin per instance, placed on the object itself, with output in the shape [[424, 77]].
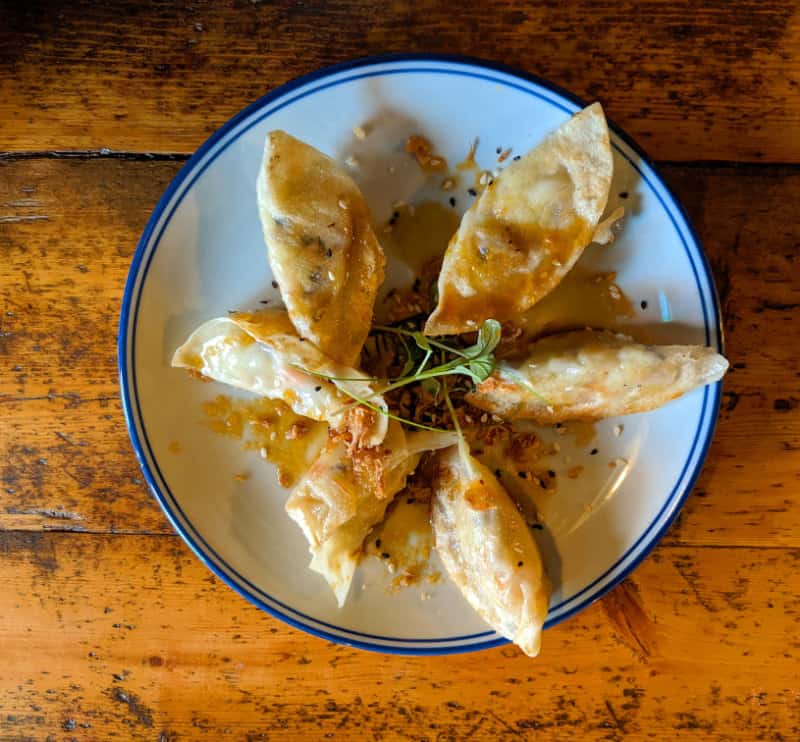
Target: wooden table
[[110, 628]]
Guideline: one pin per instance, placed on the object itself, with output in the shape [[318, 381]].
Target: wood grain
[[689, 80], [701, 643], [111, 629], [61, 280]]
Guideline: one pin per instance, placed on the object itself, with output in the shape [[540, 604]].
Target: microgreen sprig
[[475, 361]]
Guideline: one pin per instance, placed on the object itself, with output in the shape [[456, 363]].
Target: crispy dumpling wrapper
[[591, 375], [321, 246], [527, 229], [261, 353], [344, 494], [488, 550]]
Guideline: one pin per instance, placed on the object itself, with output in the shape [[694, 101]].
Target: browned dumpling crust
[[262, 353], [323, 252], [488, 550], [527, 229], [591, 375]]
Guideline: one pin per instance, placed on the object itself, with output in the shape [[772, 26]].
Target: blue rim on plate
[[194, 167]]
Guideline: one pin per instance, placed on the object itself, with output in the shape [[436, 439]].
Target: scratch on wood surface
[[18, 219], [690, 576], [625, 611], [45, 512], [617, 721]]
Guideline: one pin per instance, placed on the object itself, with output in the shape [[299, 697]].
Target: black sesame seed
[[377, 543], [452, 201], [543, 484], [411, 500], [516, 157], [384, 554], [558, 425], [643, 304], [593, 452], [522, 475], [519, 564], [274, 284], [551, 473], [329, 253], [499, 150], [624, 194], [264, 301], [498, 473], [317, 388], [538, 526], [472, 192]]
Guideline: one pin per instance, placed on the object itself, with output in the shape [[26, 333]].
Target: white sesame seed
[[447, 184], [342, 203], [620, 462], [331, 277], [484, 179], [273, 435], [484, 418], [263, 453], [359, 132], [613, 289], [618, 430], [351, 162]]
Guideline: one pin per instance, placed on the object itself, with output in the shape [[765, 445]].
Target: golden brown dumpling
[[322, 250], [344, 494], [527, 228], [590, 375], [261, 353], [488, 550]]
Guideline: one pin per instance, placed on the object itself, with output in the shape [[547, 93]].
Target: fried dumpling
[[590, 375], [344, 495], [488, 550], [527, 228], [261, 353], [321, 246]]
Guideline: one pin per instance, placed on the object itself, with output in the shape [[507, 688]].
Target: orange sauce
[[469, 161], [584, 298], [282, 437], [420, 234], [403, 541]]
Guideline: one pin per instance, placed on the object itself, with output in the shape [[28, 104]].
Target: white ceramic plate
[[202, 253]]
